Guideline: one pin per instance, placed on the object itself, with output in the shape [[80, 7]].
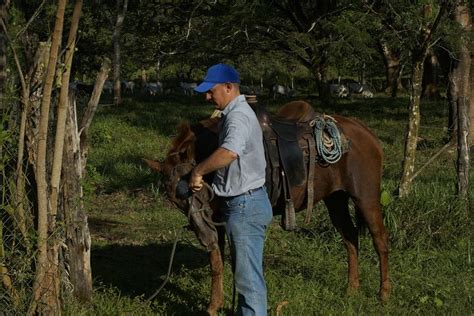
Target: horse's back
[[363, 140], [361, 166], [359, 171], [298, 111]]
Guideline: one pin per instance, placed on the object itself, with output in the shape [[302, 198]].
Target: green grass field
[[133, 226]]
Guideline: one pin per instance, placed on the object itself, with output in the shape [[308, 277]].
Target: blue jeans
[[247, 217]]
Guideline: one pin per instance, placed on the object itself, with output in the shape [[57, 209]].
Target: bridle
[[197, 208]]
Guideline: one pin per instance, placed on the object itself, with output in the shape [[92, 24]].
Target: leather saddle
[[287, 167]]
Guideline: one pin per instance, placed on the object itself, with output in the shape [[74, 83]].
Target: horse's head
[[190, 146], [177, 166]]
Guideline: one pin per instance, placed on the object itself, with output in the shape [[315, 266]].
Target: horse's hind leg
[[337, 204], [370, 210]]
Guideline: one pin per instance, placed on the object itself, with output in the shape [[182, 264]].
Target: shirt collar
[[233, 104]]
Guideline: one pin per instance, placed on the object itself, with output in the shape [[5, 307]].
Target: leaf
[[385, 198], [424, 299], [438, 302]]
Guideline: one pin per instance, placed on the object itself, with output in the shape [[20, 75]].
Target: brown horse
[[357, 175]]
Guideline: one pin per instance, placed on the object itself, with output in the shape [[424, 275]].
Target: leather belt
[[249, 192], [252, 191]]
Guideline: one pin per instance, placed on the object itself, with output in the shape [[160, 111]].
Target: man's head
[[221, 85]]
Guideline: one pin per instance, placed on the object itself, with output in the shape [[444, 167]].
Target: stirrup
[[289, 221]]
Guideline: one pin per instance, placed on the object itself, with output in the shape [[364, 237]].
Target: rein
[[205, 209], [328, 139]]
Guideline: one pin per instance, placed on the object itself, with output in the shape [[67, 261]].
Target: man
[[239, 163]]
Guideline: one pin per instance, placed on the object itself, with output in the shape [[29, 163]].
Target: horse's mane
[[210, 124], [187, 135], [184, 136]]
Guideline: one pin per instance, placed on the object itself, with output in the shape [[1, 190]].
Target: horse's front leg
[[217, 288]]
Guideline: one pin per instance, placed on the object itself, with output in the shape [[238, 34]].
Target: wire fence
[[16, 253]]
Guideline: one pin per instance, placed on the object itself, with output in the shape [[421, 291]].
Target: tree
[[3, 55], [431, 74], [388, 43], [77, 234], [405, 17], [303, 29], [46, 286], [418, 51], [461, 92], [393, 66], [121, 11]]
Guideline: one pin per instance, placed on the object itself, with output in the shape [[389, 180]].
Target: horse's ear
[[184, 129], [186, 142], [186, 149], [153, 165]]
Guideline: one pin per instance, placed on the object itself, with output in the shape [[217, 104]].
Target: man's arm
[[218, 159]]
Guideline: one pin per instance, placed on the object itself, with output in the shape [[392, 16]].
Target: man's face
[[221, 95]]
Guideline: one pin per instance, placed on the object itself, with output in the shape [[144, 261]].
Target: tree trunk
[[471, 89], [38, 72], [78, 241], [63, 108], [121, 9], [3, 69], [5, 278], [158, 67], [90, 111], [418, 57], [46, 291], [430, 89], [463, 157], [319, 72], [452, 95], [144, 78], [412, 130], [3, 53], [75, 155], [393, 68], [17, 213], [461, 79], [78, 238], [20, 197], [471, 97]]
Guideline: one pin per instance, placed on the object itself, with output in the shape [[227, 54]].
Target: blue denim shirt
[[240, 132]]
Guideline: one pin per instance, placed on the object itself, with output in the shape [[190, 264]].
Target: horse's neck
[[210, 124], [206, 139]]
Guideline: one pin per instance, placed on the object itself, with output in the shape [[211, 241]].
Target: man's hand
[[220, 158], [195, 183]]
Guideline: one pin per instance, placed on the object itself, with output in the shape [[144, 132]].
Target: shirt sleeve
[[236, 133]]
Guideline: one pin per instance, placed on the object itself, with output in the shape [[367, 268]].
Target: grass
[[133, 226]]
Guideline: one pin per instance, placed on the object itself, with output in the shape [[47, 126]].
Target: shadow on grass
[[137, 270]]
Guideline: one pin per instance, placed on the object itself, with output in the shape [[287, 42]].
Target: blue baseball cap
[[220, 73]]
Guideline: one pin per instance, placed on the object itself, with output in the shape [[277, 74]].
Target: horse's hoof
[[212, 309], [384, 294], [211, 312], [352, 290]]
